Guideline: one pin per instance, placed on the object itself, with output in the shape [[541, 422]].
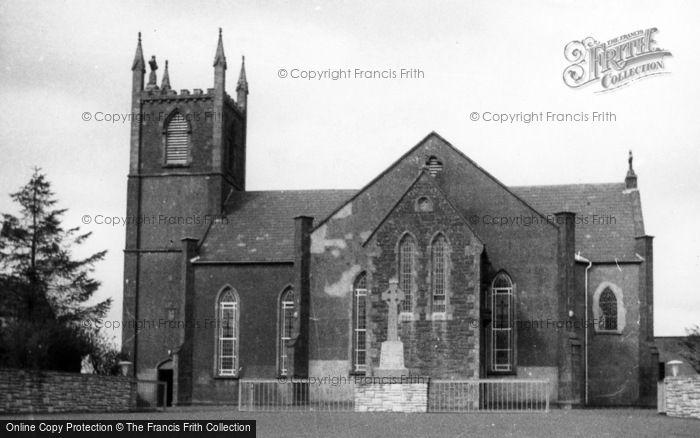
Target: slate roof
[[259, 226], [598, 238]]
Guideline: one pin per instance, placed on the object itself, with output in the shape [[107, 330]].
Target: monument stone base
[[391, 360], [398, 373], [391, 397]]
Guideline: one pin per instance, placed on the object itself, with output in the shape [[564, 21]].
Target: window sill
[[513, 372], [405, 317], [439, 317], [608, 332], [219, 377], [175, 166]]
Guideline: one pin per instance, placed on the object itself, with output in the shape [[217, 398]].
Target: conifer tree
[[45, 291]]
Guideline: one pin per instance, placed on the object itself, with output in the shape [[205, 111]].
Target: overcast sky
[[61, 59]]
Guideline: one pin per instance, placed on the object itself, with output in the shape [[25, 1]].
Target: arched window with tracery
[[502, 339], [439, 273], [359, 324], [227, 311], [407, 256], [608, 310], [286, 328]]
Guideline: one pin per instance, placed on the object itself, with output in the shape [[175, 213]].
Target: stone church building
[[223, 284]]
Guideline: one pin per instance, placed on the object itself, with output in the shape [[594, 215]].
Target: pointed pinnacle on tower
[[165, 82], [242, 80], [242, 87], [138, 57], [220, 58]]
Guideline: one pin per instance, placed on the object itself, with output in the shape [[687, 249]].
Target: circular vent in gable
[[424, 204]]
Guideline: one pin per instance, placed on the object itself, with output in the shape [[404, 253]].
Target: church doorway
[[165, 374]]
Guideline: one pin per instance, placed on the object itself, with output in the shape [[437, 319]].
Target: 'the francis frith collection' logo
[[614, 63]]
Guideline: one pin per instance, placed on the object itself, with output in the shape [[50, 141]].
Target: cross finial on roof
[[630, 161], [152, 79], [631, 178]]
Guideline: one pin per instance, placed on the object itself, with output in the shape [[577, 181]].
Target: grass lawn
[[557, 423]]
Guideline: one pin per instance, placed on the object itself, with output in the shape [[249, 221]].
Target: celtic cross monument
[[391, 362]]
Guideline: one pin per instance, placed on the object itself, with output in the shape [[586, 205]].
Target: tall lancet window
[[502, 324], [286, 327], [359, 324], [407, 266], [439, 274], [177, 141], [227, 332]]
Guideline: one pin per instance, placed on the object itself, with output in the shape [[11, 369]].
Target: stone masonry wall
[[443, 348], [50, 391], [391, 397], [683, 396]]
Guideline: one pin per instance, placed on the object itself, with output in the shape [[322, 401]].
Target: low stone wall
[[51, 391], [391, 397], [682, 396]]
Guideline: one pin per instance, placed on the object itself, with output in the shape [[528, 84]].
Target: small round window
[[424, 204]]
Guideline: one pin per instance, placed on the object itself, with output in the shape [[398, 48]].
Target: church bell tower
[[188, 154]]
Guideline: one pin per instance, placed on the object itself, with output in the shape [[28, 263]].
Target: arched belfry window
[[439, 273], [407, 256], [502, 339], [359, 324], [227, 312], [286, 328], [177, 140]]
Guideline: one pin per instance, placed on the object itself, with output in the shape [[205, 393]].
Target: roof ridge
[[568, 185], [378, 177], [409, 152], [295, 190]]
